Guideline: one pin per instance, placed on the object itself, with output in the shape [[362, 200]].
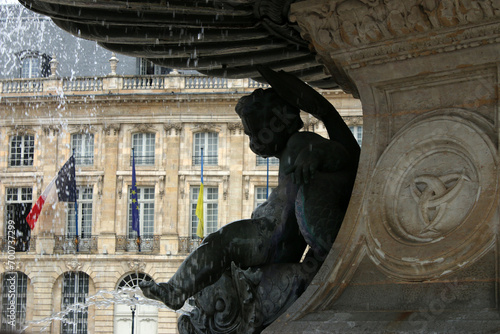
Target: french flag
[[62, 188]]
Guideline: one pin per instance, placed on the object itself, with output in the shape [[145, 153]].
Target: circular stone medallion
[[431, 195]]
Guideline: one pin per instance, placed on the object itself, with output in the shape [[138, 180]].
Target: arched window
[[14, 292], [145, 317], [75, 290]]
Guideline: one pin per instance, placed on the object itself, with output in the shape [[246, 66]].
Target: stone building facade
[[166, 119]]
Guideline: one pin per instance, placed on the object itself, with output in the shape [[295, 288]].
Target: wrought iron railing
[[207, 160], [143, 160], [19, 245], [68, 244], [188, 244], [149, 244], [84, 160]]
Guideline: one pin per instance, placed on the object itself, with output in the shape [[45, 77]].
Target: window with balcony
[[22, 150], [261, 195], [18, 205], [357, 131], [85, 204], [210, 209], [273, 161], [143, 145], [82, 144], [146, 204], [209, 141], [14, 292], [75, 290]]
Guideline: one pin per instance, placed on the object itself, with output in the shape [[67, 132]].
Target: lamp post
[[132, 308]]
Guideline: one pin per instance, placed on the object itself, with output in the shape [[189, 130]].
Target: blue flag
[[135, 203]]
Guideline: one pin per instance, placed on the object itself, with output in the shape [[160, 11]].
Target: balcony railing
[[68, 244], [144, 82], [205, 83], [145, 160], [84, 160], [83, 84], [116, 84], [211, 160], [149, 244], [22, 86], [188, 244], [18, 245]]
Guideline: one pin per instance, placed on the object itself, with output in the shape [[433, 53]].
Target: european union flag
[[135, 203]]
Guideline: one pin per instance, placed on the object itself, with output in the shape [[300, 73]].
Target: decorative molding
[[39, 185], [100, 180], [206, 127], [48, 129], [82, 128], [22, 129], [173, 126], [235, 128], [73, 265], [353, 120], [119, 186], [225, 186], [182, 185], [247, 187], [136, 265], [161, 185], [112, 128], [144, 127]]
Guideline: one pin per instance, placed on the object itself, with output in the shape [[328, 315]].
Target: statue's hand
[[296, 92], [305, 167]]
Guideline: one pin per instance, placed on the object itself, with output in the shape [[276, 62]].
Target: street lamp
[[132, 308]]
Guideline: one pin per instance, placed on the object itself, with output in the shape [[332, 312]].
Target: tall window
[[273, 161], [84, 201], [31, 67], [210, 209], [75, 291], [144, 148], [260, 195], [146, 199], [146, 67], [357, 131], [22, 150], [209, 141], [83, 146], [14, 288], [146, 316], [18, 205]]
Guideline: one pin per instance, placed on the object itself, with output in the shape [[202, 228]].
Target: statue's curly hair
[[262, 102]]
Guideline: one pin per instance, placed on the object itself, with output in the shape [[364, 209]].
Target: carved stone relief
[[173, 126], [432, 212], [111, 129]]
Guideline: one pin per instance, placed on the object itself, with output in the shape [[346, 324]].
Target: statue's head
[[268, 120]]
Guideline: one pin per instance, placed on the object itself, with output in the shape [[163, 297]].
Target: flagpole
[[267, 179], [77, 241]]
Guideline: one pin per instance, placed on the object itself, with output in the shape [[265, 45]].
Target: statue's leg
[[244, 242]]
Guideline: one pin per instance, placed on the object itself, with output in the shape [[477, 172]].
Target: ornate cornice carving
[[353, 120], [73, 265], [144, 127], [173, 126], [113, 128], [357, 33], [136, 265], [82, 128], [48, 129], [206, 127], [22, 129], [235, 128]]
